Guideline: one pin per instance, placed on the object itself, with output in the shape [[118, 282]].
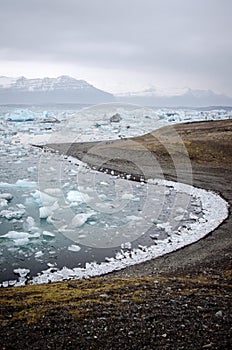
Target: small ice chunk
[[119, 256], [133, 218], [103, 196], [180, 210], [12, 214], [5, 284], [22, 272], [154, 235], [179, 218], [126, 245], [76, 196], [3, 203], [39, 254], [109, 259], [74, 248], [167, 192], [202, 220], [165, 226], [80, 219], [128, 196], [16, 235], [48, 234], [43, 199], [50, 220], [12, 282], [30, 224], [50, 264], [47, 211], [35, 235], [53, 191], [7, 196], [20, 206], [21, 115], [21, 241], [193, 216], [198, 210], [31, 169], [25, 183]]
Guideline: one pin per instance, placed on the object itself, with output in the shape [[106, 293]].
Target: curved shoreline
[[181, 300], [209, 146], [210, 222]]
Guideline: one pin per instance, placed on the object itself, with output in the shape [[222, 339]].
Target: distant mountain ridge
[[188, 98], [63, 89]]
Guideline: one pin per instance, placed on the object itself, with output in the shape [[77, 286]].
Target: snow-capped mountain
[[63, 89], [66, 89], [184, 98], [6, 82]]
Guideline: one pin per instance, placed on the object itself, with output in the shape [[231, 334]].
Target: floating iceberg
[[48, 234], [7, 196], [76, 196], [25, 183], [16, 235], [21, 115], [43, 198], [80, 219], [12, 214], [39, 254], [26, 115], [47, 211], [74, 248], [19, 238], [3, 203]]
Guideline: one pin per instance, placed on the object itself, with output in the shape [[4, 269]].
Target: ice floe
[[48, 234], [12, 214], [3, 203], [80, 219], [7, 196], [74, 248], [47, 211], [76, 196]]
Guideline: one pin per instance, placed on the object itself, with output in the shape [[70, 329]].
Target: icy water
[[92, 219], [56, 212]]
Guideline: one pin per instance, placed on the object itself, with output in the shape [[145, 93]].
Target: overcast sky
[[120, 45]]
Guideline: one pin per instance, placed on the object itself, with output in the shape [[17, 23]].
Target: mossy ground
[[30, 303]]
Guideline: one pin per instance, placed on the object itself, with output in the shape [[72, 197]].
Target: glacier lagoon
[[59, 219]]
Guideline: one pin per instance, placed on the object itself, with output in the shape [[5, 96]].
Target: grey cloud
[[173, 35]]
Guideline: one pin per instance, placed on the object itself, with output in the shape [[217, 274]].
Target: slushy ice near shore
[[65, 224], [89, 227]]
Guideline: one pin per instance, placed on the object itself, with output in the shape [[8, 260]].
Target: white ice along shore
[[211, 203]]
